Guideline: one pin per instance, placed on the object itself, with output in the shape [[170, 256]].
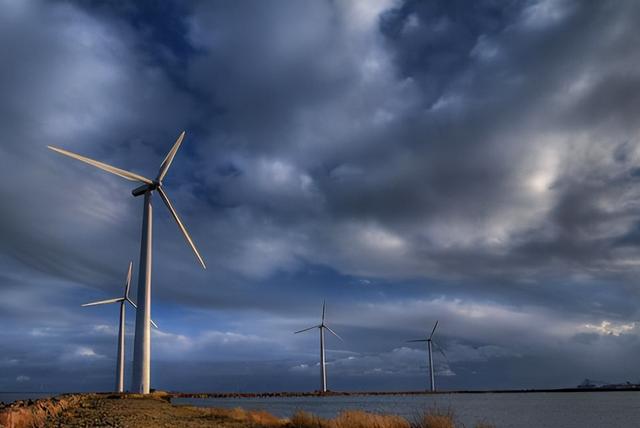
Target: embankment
[[155, 410]]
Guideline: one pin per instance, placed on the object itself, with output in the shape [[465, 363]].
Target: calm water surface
[[517, 410]]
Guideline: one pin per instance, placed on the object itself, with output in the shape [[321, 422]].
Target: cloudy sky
[[408, 161]]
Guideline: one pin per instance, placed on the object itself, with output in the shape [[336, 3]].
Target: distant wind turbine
[[122, 300], [429, 341], [322, 326], [142, 345]]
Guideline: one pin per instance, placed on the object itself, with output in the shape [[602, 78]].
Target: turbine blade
[[306, 329], [104, 302], [165, 198], [128, 281], [434, 330], [103, 166], [418, 340], [334, 333], [166, 163], [439, 348], [323, 305], [136, 307]]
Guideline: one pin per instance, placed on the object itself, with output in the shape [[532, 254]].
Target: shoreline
[[160, 410], [285, 394]]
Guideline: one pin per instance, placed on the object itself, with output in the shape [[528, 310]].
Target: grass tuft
[[435, 418], [302, 419], [360, 419]]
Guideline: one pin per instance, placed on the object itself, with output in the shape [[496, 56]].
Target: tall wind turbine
[[323, 370], [142, 344], [429, 341], [122, 300]]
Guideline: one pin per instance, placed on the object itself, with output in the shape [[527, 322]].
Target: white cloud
[[203, 345], [610, 328], [86, 352], [105, 329]]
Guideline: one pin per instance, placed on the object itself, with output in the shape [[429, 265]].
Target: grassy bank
[[129, 410]]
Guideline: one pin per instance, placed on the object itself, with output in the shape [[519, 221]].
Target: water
[[509, 410]]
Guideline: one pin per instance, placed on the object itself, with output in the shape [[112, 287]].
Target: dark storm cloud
[[408, 161]]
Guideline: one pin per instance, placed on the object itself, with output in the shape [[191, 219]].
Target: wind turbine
[[142, 343], [322, 326], [429, 341], [122, 300]]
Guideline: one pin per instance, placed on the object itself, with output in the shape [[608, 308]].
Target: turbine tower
[[323, 370], [142, 344], [430, 341], [122, 300]]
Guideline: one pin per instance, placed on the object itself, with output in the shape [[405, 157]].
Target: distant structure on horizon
[[119, 387], [598, 384], [322, 326], [430, 341], [142, 345]]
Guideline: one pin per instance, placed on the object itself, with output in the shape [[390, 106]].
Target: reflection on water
[[518, 410]]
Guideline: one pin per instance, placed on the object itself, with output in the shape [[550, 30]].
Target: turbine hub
[[139, 191]]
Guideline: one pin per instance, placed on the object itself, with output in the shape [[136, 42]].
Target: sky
[[475, 163]]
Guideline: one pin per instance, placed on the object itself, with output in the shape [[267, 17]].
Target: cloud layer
[[407, 161]]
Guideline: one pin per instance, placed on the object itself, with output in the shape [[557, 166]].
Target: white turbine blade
[[165, 198], [136, 307], [323, 305], [128, 281], [334, 333], [434, 330], [166, 163], [112, 169], [418, 340], [104, 302], [306, 329]]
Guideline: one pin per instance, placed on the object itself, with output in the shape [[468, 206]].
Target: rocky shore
[[124, 410]]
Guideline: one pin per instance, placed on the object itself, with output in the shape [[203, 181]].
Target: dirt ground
[[148, 412]]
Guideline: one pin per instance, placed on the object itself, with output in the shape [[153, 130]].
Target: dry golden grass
[[302, 419], [360, 419], [251, 417], [349, 419], [436, 420], [433, 418]]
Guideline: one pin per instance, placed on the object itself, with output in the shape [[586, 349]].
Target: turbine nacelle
[[139, 191], [321, 326]]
